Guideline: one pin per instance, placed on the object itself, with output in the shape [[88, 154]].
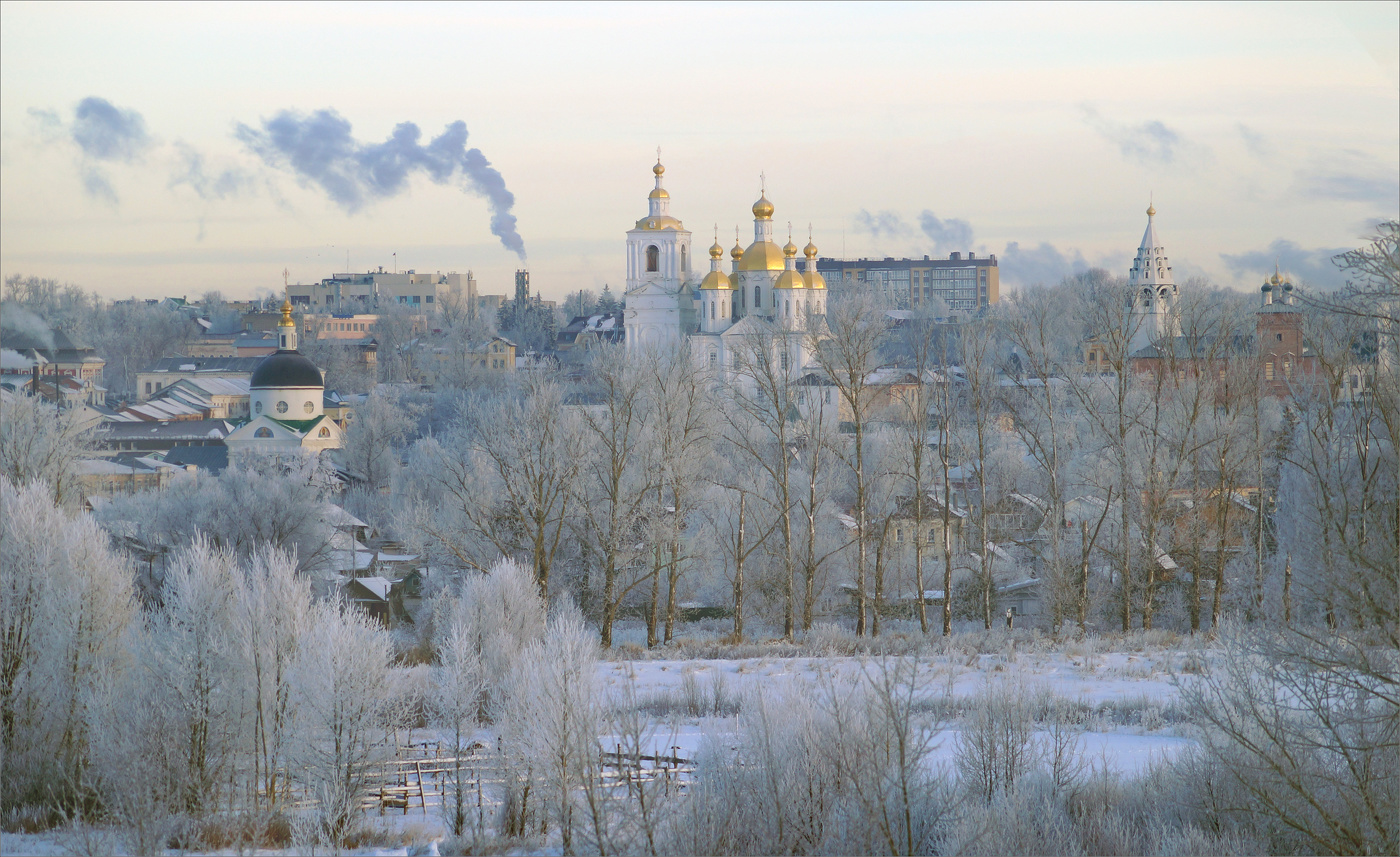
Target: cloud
[[222, 184], [1312, 267], [320, 149], [1349, 176], [1150, 143], [946, 235], [103, 133], [106, 132], [1258, 144], [882, 223], [1042, 264]]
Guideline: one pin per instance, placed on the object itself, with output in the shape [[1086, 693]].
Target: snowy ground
[[1128, 698]]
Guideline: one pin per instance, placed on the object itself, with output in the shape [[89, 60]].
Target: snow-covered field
[[1126, 699]]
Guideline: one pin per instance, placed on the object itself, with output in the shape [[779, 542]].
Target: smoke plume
[[947, 235], [320, 149], [16, 319]]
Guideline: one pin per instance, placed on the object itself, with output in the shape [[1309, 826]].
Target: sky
[[171, 149]]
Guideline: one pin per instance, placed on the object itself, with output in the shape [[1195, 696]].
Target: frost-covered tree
[[66, 600], [383, 423], [501, 480], [341, 699], [553, 717], [42, 443], [487, 621]]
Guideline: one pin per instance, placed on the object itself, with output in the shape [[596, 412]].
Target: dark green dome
[[286, 369]]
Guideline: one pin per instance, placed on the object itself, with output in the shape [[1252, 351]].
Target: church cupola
[[1152, 290], [286, 329]]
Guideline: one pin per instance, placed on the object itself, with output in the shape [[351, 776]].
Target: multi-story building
[[423, 292], [964, 282]]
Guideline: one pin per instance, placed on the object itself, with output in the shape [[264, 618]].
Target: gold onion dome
[[790, 280], [762, 256], [716, 280], [789, 249], [810, 251], [763, 209], [658, 169], [717, 252], [286, 314], [738, 252], [1151, 210]]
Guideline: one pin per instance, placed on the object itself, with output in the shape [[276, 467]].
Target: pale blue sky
[[1261, 130]]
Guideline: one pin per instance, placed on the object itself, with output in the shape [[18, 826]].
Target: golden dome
[[716, 280], [738, 252], [810, 251], [286, 314], [763, 209], [762, 256], [1150, 210], [659, 193], [658, 169], [790, 280], [656, 224], [789, 249], [814, 280], [716, 251]]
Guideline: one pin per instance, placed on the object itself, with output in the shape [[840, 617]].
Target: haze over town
[[1262, 131]]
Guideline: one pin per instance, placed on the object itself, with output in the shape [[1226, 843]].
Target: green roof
[[300, 426]]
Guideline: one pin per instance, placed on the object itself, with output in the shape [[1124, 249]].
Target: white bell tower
[[658, 268], [1152, 291]]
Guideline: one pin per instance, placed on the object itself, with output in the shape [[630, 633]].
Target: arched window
[[787, 307], [714, 359], [758, 297], [263, 432], [712, 311], [652, 256], [324, 432], [684, 264]]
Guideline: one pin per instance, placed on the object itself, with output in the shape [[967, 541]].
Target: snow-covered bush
[[341, 708], [66, 600], [492, 617]]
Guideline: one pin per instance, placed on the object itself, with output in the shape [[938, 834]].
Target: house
[[168, 370], [192, 399], [370, 594], [162, 436]]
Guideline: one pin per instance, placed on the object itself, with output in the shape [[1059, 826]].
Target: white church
[[287, 402], [762, 295]]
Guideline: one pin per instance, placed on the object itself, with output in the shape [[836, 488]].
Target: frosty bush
[[491, 618], [65, 602], [995, 747]]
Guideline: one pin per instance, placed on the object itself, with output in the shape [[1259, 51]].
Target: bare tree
[[848, 357]]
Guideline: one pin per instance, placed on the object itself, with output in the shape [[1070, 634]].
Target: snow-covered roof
[[378, 586]]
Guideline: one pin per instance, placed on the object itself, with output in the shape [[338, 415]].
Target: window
[[307, 408], [1269, 371], [429, 299], [263, 432], [785, 361], [281, 407], [652, 258], [148, 388], [787, 307], [324, 432], [1278, 337], [684, 265], [898, 534], [828, 395], [257, 407], [757, 297], [712, 311], [714, 359]]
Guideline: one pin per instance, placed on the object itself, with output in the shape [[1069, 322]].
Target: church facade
[[287, 402], [724, 315]]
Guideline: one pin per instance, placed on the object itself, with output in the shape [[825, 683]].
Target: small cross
[[762, 185]]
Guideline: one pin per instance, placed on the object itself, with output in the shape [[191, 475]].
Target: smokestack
[[36, 378]]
